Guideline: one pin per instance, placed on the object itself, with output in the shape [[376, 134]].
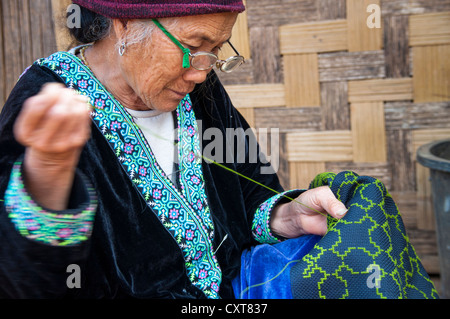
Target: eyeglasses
[[204, 60]]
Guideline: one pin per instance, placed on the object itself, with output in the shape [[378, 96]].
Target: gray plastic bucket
[[436, 156]]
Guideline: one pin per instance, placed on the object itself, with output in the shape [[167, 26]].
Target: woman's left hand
[[307, 213]]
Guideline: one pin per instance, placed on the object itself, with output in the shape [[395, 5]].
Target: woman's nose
[[196, 76]]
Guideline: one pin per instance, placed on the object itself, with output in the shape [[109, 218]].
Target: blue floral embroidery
[[38, 224], [185, 213], [261, 221]]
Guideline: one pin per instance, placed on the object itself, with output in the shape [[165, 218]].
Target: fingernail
[[342, 212]]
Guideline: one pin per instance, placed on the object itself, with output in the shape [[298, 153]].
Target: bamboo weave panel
[[302, 173], [301, 80], [380, 90], [368, 132], [323, 36], [429, 29], [360, 36], [325, 146], [431, 67], [257, 95]]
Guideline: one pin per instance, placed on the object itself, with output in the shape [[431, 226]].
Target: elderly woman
[[110, 191]]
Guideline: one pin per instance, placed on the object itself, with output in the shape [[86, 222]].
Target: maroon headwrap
[[149, 9]]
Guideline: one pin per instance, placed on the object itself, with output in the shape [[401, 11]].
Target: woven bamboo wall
[[26, 34], [343, 96], [348, 97]]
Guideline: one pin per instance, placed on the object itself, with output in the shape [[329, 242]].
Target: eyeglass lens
[[231, 64], [203, 61]]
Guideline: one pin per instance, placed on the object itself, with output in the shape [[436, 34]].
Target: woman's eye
[[196, 48], [191, 47]]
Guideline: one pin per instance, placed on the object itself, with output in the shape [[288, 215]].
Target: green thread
[[260, 184], [271, 279]]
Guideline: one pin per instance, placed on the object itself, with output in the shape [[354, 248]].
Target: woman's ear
[[120, 27]]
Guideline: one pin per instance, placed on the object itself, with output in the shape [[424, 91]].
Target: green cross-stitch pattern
[[367, 254]]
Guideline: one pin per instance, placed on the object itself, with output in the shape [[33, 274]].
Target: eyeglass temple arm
[[186, 51], [233, 48]]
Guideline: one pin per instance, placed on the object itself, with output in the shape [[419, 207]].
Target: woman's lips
[[179, 94]]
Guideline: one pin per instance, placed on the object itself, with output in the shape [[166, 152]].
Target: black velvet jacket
[[130, 254]]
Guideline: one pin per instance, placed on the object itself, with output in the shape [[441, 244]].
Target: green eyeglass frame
[[204, 60]]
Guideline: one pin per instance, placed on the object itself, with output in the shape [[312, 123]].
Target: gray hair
[[141, 31]]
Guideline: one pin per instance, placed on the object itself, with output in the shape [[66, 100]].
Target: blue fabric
[[265, 269]]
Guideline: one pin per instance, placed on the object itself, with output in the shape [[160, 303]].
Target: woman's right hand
[[54, 126]]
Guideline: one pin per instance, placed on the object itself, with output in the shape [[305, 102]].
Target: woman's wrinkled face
[[154, 70]]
